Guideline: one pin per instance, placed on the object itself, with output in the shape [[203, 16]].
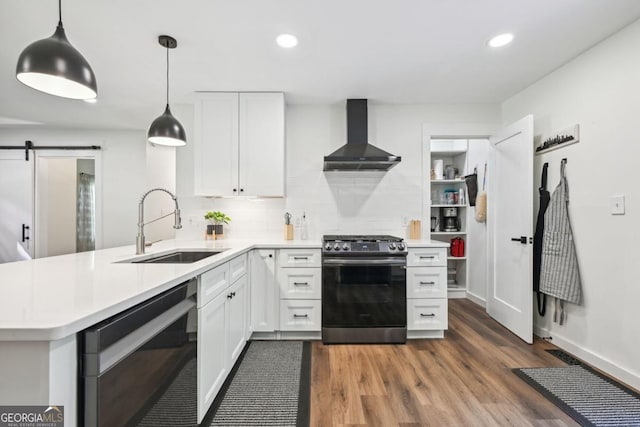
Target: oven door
[[364, 292]]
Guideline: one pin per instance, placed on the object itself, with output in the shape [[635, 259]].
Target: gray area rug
[[270, 386], [264, 390], [585, 395]]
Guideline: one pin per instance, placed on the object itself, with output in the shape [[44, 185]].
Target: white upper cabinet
[[239, 144]]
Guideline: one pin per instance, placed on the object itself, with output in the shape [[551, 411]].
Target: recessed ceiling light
[[501, 40], [91, 100], [287, 40]]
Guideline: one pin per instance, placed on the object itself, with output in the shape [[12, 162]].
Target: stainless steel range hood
[[357, 154]]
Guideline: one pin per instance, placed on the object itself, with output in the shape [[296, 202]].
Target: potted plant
[[216, 221]]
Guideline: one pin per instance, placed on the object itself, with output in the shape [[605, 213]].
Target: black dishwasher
[[136, 359]]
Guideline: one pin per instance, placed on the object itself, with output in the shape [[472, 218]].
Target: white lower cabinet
[[265, 295], [427, 310], [222, 327], [300, 283], [427, 314], [212, 355], [237, 302], [300, 315]]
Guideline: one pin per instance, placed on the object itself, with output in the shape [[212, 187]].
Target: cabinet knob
[[233, 294], [270, 255], [241, 190], [235, 190]]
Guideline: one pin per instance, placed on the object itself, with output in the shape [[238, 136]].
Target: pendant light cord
[[167, 76], [60, 12]]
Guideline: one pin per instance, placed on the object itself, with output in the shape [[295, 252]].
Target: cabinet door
[[264, 291], [212, 354], [237, 302], [216, 144], [262, 144]]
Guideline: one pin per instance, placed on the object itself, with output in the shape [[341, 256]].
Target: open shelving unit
[[453, 153]]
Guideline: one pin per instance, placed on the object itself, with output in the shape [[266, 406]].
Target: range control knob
[[401, 246], [336, 246], [327, 247], [345, 247], [392, 246]]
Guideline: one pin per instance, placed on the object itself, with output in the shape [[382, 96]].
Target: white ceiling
[[402, 51]]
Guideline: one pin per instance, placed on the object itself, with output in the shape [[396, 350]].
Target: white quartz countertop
[[51, 298]]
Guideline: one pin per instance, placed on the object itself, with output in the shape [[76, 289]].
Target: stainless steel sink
[[178, 257]]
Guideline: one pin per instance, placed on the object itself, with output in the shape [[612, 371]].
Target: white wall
[[599, 90], [123, 166], [335, 202]]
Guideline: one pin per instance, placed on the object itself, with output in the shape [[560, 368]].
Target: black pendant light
[[166, 129], [54, 66]]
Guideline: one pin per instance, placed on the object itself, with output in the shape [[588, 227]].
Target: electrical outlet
[[404, 221], [617, 205]]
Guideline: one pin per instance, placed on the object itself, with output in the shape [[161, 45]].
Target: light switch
[[617, 205]]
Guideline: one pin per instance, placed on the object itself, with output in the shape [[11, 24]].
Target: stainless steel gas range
[[364, 297]]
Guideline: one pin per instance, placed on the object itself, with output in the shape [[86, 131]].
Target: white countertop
[[51, 298]]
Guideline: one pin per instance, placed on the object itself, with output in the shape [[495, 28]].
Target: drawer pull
[[427, 283], [300, 283], [300, 257], [427, 256], [300, 316], [427, 315]]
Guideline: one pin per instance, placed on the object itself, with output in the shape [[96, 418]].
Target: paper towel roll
[[438, 168]]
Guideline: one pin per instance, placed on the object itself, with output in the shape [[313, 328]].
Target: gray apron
[[559, 273]]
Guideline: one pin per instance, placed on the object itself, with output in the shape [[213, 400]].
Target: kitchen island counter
[[51, 298]]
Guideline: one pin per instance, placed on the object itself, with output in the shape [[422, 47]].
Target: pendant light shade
[[166, 129], [54, 66]]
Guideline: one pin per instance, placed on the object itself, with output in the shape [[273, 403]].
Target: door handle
[[25, 228], [521, 239]]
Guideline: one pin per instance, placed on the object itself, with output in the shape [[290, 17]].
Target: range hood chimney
[[357, 154]]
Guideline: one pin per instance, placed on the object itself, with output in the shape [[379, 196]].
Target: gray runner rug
[[269, 386], [584, 394]]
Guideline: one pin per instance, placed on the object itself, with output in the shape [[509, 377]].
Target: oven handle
[[129, 343], [390, 261]]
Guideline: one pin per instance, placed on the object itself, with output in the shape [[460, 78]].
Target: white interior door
[[509, 219], [16, 206]]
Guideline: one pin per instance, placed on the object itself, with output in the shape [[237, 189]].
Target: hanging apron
[[537, 241], [559, 273]]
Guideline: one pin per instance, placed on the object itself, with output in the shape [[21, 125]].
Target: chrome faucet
[[141, 223]]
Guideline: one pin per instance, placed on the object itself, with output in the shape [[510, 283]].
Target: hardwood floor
[[462, 380]]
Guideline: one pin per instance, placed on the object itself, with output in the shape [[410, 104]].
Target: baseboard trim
[[476, 299], [629, 378]]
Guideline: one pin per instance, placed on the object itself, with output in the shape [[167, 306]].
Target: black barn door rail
[[28, 145]]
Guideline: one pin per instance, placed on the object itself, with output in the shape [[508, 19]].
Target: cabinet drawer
[[300, 315], [427, 314], [300, 283], [426, 282], [213, 282], [238, 267], [299, 258], [427, 257]]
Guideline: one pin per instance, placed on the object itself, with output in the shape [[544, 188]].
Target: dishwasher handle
[[136, 339]]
